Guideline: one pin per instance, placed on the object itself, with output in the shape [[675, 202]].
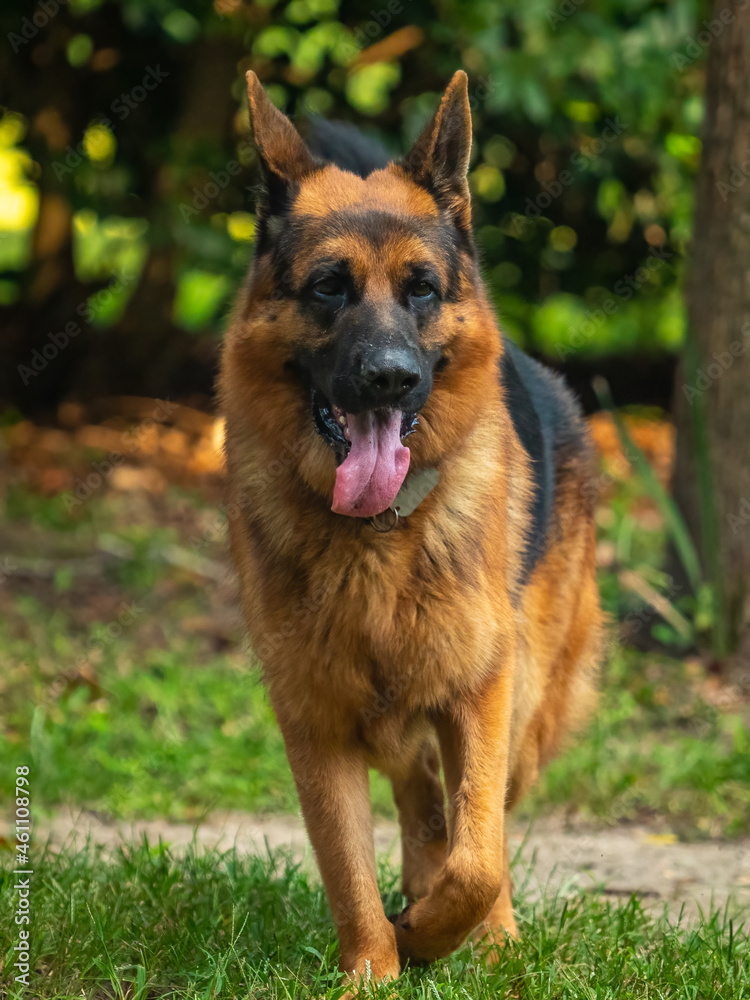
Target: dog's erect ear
[[284, 157], [439, 159]]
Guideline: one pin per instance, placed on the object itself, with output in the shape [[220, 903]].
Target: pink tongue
[[371, 475]]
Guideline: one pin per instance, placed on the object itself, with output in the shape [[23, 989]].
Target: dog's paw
[[396, 918]]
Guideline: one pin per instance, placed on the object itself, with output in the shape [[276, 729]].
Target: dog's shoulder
[[549, 423]]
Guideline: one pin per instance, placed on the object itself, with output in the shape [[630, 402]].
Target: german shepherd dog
[[418, 608]]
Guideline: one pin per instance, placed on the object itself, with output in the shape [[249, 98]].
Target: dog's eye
[[421, 290], [330, 288]]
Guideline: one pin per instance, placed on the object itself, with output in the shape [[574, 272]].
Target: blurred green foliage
[[129, 118]]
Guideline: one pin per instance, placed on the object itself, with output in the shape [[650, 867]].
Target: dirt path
[[614, 863]]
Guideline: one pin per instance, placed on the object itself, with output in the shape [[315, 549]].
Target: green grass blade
[[707, 511]]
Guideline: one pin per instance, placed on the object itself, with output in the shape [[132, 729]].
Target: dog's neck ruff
[[416, 487]]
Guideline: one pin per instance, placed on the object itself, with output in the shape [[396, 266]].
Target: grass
[[145, 924], [128, 690], [157, 732], [654, 751]]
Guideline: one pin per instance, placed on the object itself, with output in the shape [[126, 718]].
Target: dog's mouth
[[372, 463]]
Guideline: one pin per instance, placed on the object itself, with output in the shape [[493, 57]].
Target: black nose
[[389, 375]]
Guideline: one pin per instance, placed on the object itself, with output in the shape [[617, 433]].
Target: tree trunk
[[714, 377]]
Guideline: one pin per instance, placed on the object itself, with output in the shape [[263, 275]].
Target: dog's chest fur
[[372, 632]]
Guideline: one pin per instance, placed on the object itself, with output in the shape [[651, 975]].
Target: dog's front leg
[[333, 787], [474, 736]]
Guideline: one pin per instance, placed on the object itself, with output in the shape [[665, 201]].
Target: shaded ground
[[619, 862]]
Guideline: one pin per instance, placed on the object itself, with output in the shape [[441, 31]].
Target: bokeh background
[[123, 120], [127, 191], [609, 170]]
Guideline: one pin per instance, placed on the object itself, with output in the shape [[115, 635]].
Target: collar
[[413, 491]]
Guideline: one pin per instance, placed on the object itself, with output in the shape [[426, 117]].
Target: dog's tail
[[343, 144]]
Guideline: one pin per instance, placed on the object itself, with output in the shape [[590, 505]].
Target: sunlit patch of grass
[[133, 731], [147, 923], [655, 750], [136, 698]]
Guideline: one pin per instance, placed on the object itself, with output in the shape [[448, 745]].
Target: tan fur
[[384, 649]]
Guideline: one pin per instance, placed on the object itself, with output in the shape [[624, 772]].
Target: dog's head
[[366, 301]]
